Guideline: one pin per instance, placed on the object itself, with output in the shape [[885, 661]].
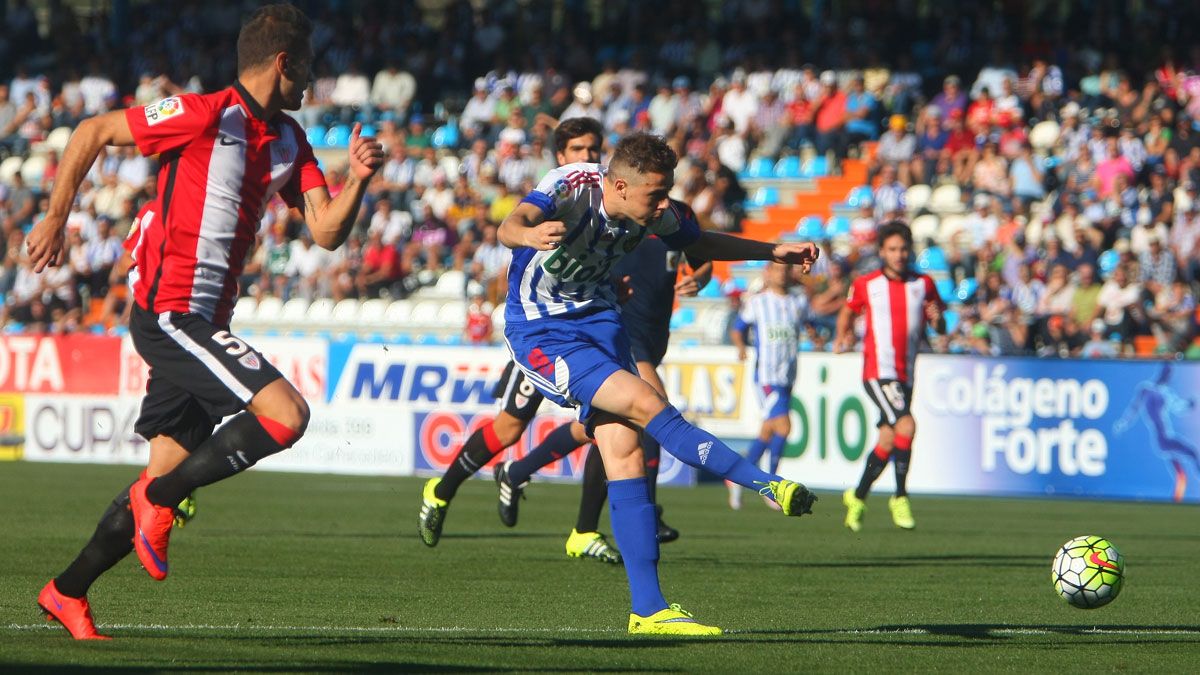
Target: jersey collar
[[267, 128]]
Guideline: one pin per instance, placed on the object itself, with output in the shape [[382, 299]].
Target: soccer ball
[[1088, 572]]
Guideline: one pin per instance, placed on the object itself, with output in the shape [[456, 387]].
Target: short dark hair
[[642, 153], [271, 29], [894, 228], [573, 128]]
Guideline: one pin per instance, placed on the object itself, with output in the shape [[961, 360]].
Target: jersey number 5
[[234, 346]]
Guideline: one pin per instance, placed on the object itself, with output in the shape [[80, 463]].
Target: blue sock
[[776, 451], [698, 448], [635, 527], [558, 444], [755, 451]]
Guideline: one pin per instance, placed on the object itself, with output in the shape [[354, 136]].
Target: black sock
[[652, 453], [902, 458], [556, 445], [473, 456], [112, 540], [595, 491], [874, 467], [233, 448]]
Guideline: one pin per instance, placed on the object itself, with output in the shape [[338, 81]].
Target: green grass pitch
[[288, 572]]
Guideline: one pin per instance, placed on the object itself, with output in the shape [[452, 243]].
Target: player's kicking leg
[[519, 401]]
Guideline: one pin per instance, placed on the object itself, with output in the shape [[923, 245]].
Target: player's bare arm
[[330, 220], [844, 341], [720, 246], [690, 284], [45, 242], [527, 226], [936, 317]]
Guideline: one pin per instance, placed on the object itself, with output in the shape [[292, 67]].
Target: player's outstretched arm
[[45, 242], [330, 220], [720, 246], [844, 341], [527, 226]]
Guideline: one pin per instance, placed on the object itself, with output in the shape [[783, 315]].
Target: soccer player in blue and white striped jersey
[[564, 332], [776, 316]]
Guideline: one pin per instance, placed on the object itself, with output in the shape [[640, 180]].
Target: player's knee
[[508, 430], [783, 426], [887, 437], [906, 426], [646, 405], [579, 433]]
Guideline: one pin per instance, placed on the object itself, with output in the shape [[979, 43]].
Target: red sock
[[903, 443], [490, 439], [282, 434], [882, 454]]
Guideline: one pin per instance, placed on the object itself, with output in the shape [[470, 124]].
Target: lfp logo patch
[[164, 110]]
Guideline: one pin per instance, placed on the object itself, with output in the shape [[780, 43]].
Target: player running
[[576, 139], [564, 332], [224, 155], [651, 273], [777, 318], [1156, 401], [898, 304]]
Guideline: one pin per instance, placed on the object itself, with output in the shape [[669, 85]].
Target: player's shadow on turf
[[892, 561], [1004, 631]]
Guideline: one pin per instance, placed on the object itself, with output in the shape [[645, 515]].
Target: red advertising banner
[[50, 364]]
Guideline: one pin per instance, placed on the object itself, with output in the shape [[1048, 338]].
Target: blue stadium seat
[[951, 320], [712, 290], [859, 196], [837, 226], [810, 228], [316, 136], [817, 167], [933, 260], [765, 196], [966, 289], [368, 130], [788, 167], [683, 317], [1108, 262], [445, 136], [760, 167], [338, 136], [945, 287]]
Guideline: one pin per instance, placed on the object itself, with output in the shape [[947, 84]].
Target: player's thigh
[[519, 403], [649, 373], [630, 397], [618, 443], [906, 426]]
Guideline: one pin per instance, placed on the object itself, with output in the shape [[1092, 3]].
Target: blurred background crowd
[[1046, 153]]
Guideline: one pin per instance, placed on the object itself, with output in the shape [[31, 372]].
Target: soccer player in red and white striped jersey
[[223, 156], [898, 305]]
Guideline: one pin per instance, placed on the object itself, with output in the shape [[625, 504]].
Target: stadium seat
[[788, 167], [817, 167], [245, 306], [33, 169], [810, 228], [294, 310], [945, 287], [398, 312], [346, 312], [949, 230], [425, 312], [916, 197], [316, 136], [450, 285], [1183, 201], [451, 165], [338, 137], [453, 314], [445, 136], [320, 310], [924, 228], [57, 140], [268, 309], [368, 130], [760, 167], [498, 319], [9, 168], [682, 318], [372, 312], [837, 226], [966, 289], [711, 290], [952, 318], [765, 196], [860, 196], [933, 261], [946, 199], [1044, 135], [1108, 262]]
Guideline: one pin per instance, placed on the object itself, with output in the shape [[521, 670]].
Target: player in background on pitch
[[223, 155], [898, 304], [777, 318], [651, 277], [563, 330]]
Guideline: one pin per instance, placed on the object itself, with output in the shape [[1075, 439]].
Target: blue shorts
[[775, 400], [567, 359]]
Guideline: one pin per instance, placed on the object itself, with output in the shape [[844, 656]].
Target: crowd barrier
[[986, 426]]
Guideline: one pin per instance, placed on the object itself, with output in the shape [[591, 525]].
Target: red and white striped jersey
[[221, 164], [895, 313]]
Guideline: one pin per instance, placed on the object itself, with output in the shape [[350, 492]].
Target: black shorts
[[892, 397], [517, 394], [647, 349], [199, 373]]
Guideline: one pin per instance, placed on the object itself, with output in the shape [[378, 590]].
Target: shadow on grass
[[891, 561], [323, 667]]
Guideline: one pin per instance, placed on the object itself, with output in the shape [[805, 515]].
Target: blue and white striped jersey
[[777, 321], [573, 279]]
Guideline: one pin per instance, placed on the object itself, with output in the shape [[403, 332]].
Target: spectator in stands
[[352, 95], [1098, 345], [827, 298], [478, 330], [100, 255], [1060, 338], [990, 173], [739, 104], [861, 118], [1117, 304], [830, 117], [392, 91], [21, 204], [98, 90], [10, 141], [432, 240], [951, 97], [769, 125], [489, 265], [1172, 317], [896, 148], [729, 145], [1185, 237], [1026, 176], [1157, 267], [381, 268], [888, 197], [800, 115]]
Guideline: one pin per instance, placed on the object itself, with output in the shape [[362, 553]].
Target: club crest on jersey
[[562, 187], [250, 361], [164, 110]]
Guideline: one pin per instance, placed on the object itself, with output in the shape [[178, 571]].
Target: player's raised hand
[[801, 254], [45, 243], [687, 285], [933, 312], [366, 154], [546, 236]]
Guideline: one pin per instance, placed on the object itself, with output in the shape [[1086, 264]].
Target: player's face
[[297, 71], [585, 148], [895, 253], [646, 197]]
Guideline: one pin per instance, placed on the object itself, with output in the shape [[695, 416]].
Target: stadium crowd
[[1078, 168]]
